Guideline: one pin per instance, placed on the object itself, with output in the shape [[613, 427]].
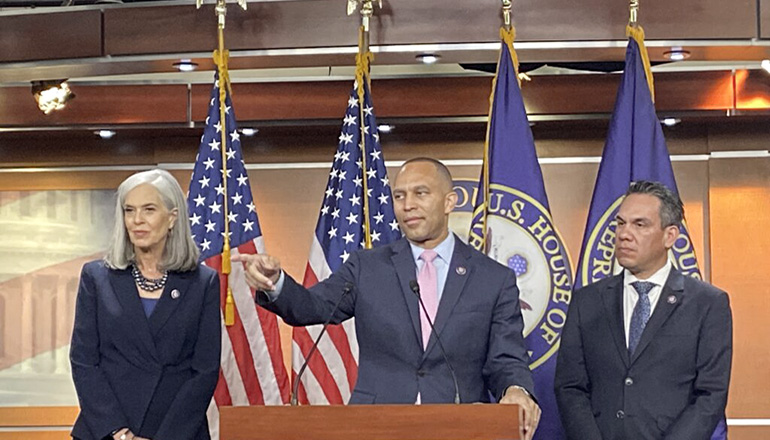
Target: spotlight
[[249, 131], [185, 66], [428, 58], [51, 95], [670, 122], [385, 128], [676, 54], [766, 65], [105, 134]]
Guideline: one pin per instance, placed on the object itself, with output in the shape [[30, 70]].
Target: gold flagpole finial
[[367, 10], [221, 10], [507, 4], [633, 9]]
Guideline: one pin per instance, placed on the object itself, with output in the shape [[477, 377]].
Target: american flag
[[252, 371], [332, 371]]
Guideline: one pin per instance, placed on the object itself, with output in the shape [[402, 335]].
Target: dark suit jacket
[[478, 319], [675, 384], [155, 376]]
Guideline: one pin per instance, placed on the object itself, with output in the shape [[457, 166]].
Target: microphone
[[295, 388], [416, 289]]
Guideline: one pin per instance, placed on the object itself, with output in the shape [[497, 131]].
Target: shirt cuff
[[272, 295]]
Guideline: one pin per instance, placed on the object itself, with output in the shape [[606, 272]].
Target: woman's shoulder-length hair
[[181, 254]]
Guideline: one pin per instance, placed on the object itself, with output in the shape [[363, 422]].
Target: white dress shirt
[[631, 296]]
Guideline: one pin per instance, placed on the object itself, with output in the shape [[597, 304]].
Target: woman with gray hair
[[146, 342]]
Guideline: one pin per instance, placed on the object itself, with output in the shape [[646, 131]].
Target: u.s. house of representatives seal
[[521, 236]]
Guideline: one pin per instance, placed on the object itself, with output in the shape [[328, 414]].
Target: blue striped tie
[[641, 314]]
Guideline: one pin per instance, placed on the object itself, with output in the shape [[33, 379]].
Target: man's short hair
[[671, 206], [443, 171]]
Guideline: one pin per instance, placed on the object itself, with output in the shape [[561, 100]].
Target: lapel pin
[[671, 299], [460, 270], [175, 294]]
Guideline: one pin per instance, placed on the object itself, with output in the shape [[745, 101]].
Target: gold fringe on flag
[[637, 33]]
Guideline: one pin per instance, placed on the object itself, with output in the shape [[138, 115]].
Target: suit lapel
[[406, 269], [453, 287], [173, 294], [670, 298], [125, 290], [613, 304]]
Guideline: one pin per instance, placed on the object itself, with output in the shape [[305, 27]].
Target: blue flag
[[512, 224], [635, 150]]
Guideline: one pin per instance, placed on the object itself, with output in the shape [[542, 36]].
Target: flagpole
[[363, 60], [220, 58], [635, 31]]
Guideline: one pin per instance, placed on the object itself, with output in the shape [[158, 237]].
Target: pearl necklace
[[147, 284]]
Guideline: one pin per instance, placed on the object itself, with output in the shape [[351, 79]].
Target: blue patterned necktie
[[641, 314]]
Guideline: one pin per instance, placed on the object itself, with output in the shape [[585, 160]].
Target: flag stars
[[358, 181], [332, 232], [352, 102], [329, 192], [218, 127], [333, 173], [210, 226], [375, 236], [232, 217], [345, 156], [378, 218], [234, 136], [341, 175], [325, 210], [345, 255], [336, 213], [230, 154], [371, 173], [355, 200], [337, 155], [214, 207], [205, 245], [338, 195], [242, 180], [349, 238], [349, 120], [204, 181], [375, 155], [347, 138], [251, 207], [352, 218], [248, 225], [209, 163], [368, 111], [394, 225], [195, 219], [220, 190], [214, 145], [200, 200], [385, 181], [237, 199], [383, 198]]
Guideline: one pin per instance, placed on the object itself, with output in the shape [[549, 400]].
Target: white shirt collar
[[659, 278]]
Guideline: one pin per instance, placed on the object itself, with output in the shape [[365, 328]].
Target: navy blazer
[[478, 319], [675, 384], [154, 375]]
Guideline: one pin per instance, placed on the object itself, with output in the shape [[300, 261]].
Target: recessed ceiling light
[[670, 122], [766, 65], [51, 95], [428, 58], [385, 128], [676, 54], [249, 131], [105, 134], [185, 66]]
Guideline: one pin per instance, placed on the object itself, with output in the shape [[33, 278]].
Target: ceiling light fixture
[[428, 58], [249, 131], [105, 134], [676, 54], [185, 66], [385, 128], [670, 122], [766, 65], [51, 95]]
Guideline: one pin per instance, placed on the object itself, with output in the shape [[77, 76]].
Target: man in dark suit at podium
[[473, 301], [645, 354]]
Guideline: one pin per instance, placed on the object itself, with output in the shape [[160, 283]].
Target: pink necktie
[[428, 281]]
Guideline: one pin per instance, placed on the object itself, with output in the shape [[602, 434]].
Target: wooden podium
[[370, 422]]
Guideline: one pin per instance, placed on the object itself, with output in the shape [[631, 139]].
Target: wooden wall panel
[[50, 36], [764, 20], [739, 200], [106, 105]]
